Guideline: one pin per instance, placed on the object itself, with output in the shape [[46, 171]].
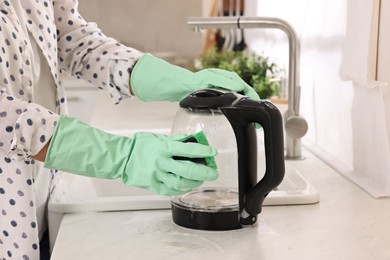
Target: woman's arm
[[41, 155], [25, 128], [85, 52]]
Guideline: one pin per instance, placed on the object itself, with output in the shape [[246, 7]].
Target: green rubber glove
[[153, 79], [145, 160]]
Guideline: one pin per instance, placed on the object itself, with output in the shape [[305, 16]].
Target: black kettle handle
[[242, 117]]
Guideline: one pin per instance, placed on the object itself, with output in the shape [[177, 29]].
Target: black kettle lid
[[209, 99]]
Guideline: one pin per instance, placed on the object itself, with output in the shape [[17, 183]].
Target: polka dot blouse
[[68, 44]]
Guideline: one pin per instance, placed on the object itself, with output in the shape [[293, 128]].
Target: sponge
[[199, 138]]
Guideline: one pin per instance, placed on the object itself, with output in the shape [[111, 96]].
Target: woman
[[39, 41]]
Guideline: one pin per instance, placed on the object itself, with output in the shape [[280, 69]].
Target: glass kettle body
[[219, 134], [228, 122]]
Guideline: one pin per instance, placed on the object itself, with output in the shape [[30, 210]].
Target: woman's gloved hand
[[153, 79], [145, 160]]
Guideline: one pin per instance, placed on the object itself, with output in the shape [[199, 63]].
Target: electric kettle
[[229, 120]]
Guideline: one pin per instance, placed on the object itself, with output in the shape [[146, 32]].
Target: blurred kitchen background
[[345, 56], [158, 27]]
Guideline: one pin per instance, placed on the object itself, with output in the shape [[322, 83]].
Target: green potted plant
[[254, 69]]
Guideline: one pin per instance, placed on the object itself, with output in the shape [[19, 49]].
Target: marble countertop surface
[[346, 224]]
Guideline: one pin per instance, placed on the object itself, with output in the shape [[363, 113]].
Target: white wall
[[148, 25], [345, 108]]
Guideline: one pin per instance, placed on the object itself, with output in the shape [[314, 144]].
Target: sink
[[79, 193]]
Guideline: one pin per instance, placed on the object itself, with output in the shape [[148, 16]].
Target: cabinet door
[[383, 72]]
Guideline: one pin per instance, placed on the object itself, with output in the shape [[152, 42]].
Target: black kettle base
[[207, 209], [213, 221]]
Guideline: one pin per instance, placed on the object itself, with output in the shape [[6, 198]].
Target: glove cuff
[[153, 79], [78, 148]]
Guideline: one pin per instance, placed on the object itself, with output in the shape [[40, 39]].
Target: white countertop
[[346, 224]]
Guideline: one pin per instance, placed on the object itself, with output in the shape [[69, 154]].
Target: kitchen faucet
[[295, 125]]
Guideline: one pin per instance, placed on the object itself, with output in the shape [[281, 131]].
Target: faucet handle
[[296, 126]]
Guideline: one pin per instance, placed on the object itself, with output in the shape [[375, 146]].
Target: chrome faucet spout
[[293, 141]]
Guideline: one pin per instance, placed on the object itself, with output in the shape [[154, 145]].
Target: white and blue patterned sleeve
[[25, 128], [85, 52]]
